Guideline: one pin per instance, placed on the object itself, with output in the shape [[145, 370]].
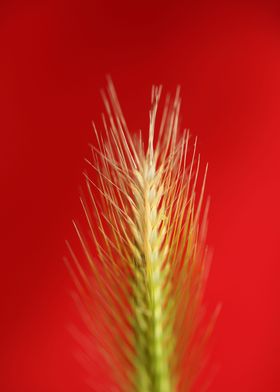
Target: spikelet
[[144, 262]]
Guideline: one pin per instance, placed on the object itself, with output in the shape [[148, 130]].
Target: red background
[[54, 58]]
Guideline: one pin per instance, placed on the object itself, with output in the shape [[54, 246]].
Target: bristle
[[142, 290]]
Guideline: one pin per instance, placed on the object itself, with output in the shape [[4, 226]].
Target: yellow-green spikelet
[[153, 368], [149, 277]]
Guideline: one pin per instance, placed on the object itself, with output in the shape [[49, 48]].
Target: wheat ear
[[142, 283]]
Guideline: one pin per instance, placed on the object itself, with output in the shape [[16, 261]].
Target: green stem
[[152, 362]]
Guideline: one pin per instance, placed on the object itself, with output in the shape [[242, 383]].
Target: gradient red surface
[[54, 58]]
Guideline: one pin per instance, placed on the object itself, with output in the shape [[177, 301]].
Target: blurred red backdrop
[[54, 58]]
